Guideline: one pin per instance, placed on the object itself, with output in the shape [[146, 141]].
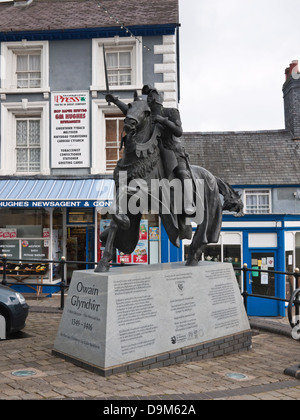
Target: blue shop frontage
[[269, 242], [45, 219]]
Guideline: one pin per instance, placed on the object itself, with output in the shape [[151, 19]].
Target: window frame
[[100, 110], [9, 53], [10, 112], [108, 163], [29, 79], [258, 192], [117, 44], [28, 146], [119, 68]]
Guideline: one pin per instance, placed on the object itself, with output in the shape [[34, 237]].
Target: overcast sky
[[233, 57]]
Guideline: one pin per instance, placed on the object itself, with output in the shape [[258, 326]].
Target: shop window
[[232, 254], [213, 253], [147, 249], [25, 223], [114, 130], [80, 216], [229, 250], [290, 279], [25, 234], [297, 246], [57, 241], [28, 151], [258, 201]]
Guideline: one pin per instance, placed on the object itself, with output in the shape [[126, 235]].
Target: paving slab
[[263, 368]]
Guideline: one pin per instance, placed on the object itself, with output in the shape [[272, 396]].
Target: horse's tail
[[232, 199]]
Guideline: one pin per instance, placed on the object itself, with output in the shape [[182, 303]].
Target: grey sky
[[233, 57]]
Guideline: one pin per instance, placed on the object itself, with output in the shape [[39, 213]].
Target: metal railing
[[62, 263], [293, 302]]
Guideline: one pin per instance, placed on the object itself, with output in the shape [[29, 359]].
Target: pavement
[[51, 378]]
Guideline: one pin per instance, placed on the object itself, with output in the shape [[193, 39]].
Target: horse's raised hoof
[[191, 262], [122, 221], [102, 267]]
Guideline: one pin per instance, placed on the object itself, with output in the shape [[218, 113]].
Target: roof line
[[197, 133], [88, 33]]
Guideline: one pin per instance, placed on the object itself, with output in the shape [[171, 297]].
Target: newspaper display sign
[[70, 130]]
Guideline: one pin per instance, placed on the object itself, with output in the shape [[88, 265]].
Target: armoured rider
[[172, 152]]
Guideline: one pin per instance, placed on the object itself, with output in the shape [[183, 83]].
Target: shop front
[[267, 242], [47, 219]]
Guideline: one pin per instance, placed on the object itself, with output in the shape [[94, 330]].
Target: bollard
[[245, 292], [297, 297], [4, 260], [2, 328], [62, 283]]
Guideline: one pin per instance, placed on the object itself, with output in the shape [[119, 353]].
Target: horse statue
[[142, 164]]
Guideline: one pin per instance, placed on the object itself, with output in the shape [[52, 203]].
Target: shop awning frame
[[53, 193]]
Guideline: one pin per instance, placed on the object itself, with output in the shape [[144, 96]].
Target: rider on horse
[[174, 157]]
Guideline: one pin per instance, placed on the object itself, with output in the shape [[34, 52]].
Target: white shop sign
[[70, 130]]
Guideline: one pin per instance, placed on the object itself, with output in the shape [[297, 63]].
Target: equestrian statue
[[153, 156]]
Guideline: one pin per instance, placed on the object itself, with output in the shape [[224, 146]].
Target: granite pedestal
[[143, 317]]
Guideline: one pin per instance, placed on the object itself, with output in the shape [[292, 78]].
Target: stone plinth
[[142, 317]]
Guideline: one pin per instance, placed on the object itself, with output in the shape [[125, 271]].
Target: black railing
[[293, 302], [6, 272], [62, 263]]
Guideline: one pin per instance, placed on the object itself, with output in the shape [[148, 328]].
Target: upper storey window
[[119, 68], [24, 67], [29, 70], [258, 201], [123, 61]]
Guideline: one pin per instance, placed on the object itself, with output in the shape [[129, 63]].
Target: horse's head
[[138, 118], [234, 204]]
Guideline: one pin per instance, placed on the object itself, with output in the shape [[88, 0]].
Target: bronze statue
[[153, 152]]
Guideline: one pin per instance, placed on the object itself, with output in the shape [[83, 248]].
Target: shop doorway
[[80, 248], [263, 283]]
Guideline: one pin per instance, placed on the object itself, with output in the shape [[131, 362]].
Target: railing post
[[245, 292], [4, 260], [297, 308], [62, 283]]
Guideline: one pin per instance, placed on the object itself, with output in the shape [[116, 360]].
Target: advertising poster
[[140, 254], [70, 130], [8, 233], [123, 258], [10, 248], [34, 249], [154, 234]]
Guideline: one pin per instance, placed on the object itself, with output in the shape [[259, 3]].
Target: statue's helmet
[[157, 96]]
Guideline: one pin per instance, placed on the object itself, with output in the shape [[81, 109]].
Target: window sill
[[24, 90], [21, 174], [115, 88]]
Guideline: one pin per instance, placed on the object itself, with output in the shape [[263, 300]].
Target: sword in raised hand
[[106, 74]]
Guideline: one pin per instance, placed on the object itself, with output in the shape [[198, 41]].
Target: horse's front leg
[[194, 256], [104, 263]]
